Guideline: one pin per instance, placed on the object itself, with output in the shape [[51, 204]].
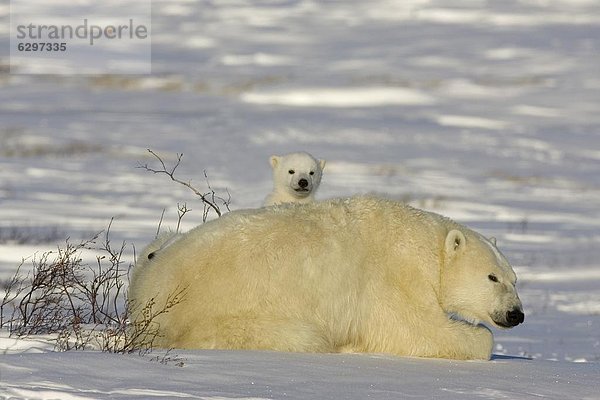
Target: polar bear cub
[[296, 178]]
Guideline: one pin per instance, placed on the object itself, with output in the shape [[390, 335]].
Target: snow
[[267, 375], [336, 97], [486, 112]]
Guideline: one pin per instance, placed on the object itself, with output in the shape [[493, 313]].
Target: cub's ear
[[274, 160], [493, 240], [455, 242], [322, 164]]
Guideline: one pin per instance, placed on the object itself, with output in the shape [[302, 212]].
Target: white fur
[[296, 178], [362, 274], [163, 241]]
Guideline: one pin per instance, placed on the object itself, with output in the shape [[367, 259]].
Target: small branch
[[181, 211], [162, 216], [210, 204]]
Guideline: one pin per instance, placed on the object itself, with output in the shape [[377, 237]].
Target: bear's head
[[477, 281], [298, 174]]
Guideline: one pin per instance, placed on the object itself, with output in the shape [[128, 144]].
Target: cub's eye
[[311, 173], [492, 278], [292, 172]]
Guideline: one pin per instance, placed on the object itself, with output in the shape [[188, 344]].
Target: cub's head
[[477, 282], [298, 174]]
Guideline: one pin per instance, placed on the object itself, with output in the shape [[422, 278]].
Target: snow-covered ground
[[486, 112], [219, 375]]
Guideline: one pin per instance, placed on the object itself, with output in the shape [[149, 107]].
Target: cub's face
[[298, 174], [478, 283]]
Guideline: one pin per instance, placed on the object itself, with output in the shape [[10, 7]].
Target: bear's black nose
[[303, 183], [515, 317]]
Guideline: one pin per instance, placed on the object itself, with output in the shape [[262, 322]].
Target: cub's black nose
[[303, 183], [515, 317]]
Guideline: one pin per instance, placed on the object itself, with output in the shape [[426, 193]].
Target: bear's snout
[[303, 183], [515, 317]]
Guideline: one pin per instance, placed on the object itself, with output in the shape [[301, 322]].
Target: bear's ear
[[322, 164], [274, 160], [493, 240], [455, 242]]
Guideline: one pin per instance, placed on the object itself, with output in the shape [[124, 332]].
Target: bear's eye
[[292, 172], [311, 173], [492, 278]]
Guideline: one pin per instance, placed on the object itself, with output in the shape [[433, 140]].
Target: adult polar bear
[[362, 275]]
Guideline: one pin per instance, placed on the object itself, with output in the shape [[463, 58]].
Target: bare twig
[[143, 331], [162, 216], [210, 199], [215, 198], [12, 291], [181, 211]]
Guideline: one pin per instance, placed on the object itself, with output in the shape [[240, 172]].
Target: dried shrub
[[84, 305]]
